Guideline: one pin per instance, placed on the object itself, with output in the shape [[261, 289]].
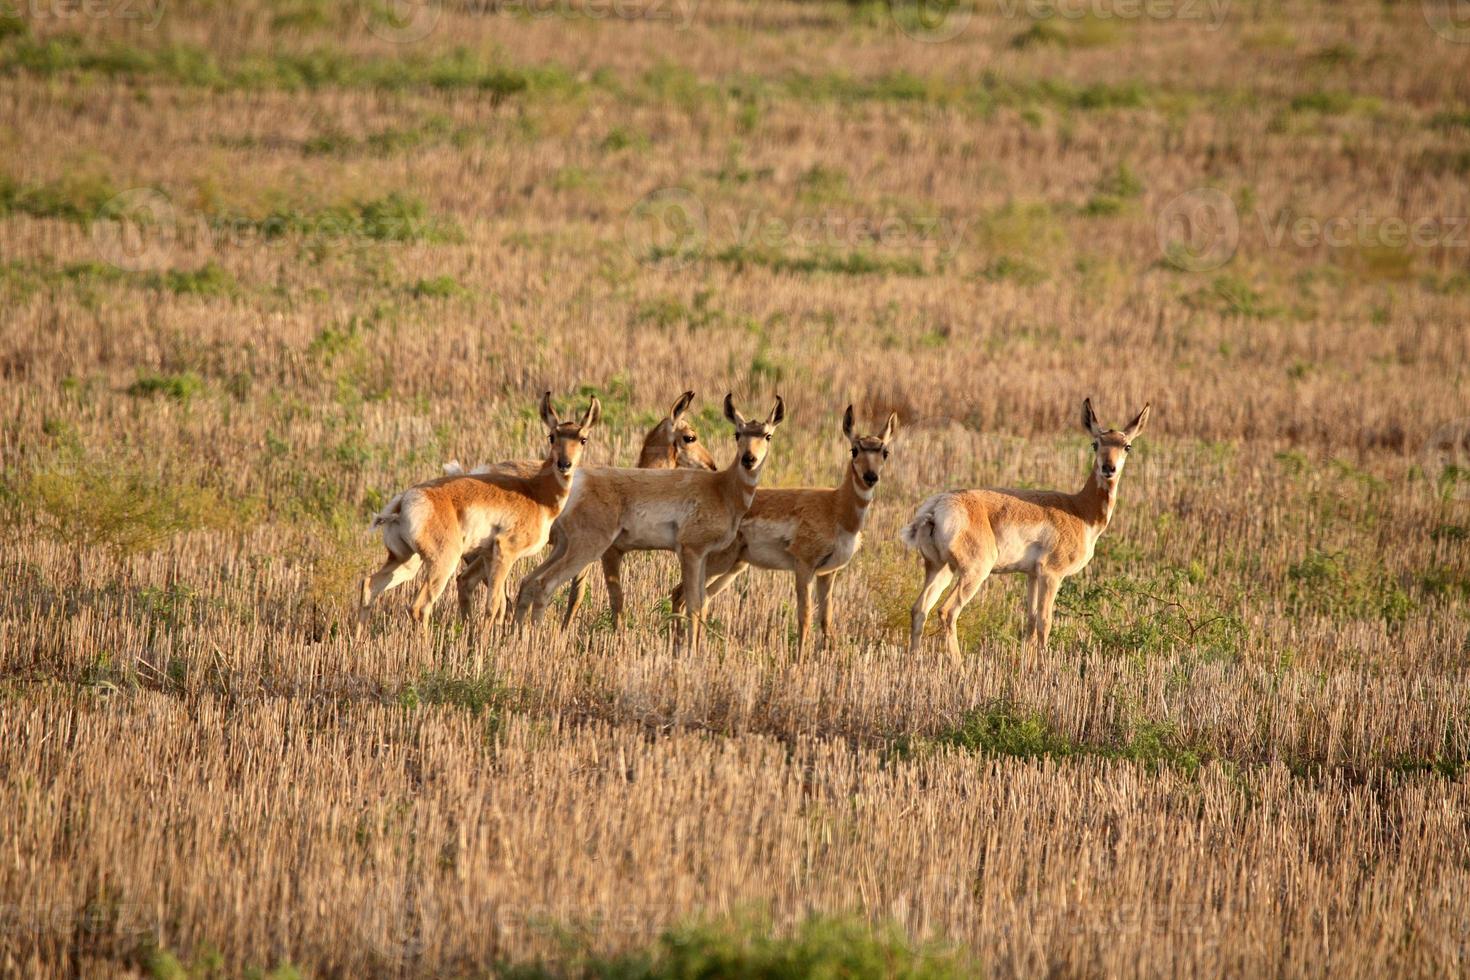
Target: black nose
[[871, 479], [748, 460], [564, 465], [1109, 470]]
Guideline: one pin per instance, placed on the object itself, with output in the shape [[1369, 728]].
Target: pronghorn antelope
[[506, 515], [812, 532], [671, 444], [966, 535], [689, 512]]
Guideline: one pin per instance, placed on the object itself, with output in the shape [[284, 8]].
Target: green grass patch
[[851, 262], [1343, 586], [439, 287], [751, 948], [73, 197], [123, 508], [460, 70], [175, 387], [1084, 32], [1008, 729]]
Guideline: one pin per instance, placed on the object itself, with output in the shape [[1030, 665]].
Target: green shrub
[[122, 508]]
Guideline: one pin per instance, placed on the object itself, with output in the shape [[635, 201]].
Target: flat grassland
[[264, 264]]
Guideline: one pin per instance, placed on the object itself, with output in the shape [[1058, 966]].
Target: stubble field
[[262, 265]]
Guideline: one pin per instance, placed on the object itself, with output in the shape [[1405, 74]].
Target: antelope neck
[[743, 481], [1094, 502], [852, 501]]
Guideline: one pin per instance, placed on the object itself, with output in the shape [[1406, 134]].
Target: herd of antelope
[[476, 525]]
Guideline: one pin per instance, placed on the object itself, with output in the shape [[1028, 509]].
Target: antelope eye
[[1094, 445], [690, 438], [885, 454], [768, 437], [553, 440], [1127, 449], [584, 440], [854, 452]]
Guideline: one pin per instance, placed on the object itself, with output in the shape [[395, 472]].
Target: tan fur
[[812, 532], [967, 535], [691, 512], [505, 514]]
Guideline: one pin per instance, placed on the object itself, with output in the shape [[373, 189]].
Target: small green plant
[[176, 387], [210, 279], [439, 287]]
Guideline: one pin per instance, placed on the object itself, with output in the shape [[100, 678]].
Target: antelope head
[[1110, 447], [753, 438], [676, 433], [568, 438], [869, 453]]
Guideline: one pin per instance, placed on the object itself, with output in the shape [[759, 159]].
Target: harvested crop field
[[263, 265]]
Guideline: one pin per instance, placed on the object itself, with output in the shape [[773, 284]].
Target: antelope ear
[[548, 414], [777, 414], [681, 406], [594, 412], [736, 419], [1136, 426], [890, 428], [1089, 418], [847, 423]]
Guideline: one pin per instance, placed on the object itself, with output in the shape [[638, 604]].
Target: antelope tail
[[388, 514]]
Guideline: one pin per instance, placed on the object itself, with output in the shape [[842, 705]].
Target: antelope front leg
[[1046, 601], [500, 563], [612, 576], [824, 603], [803, 605], [691, 564]]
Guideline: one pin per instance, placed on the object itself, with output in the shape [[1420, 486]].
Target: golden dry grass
[[1245, 752]]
